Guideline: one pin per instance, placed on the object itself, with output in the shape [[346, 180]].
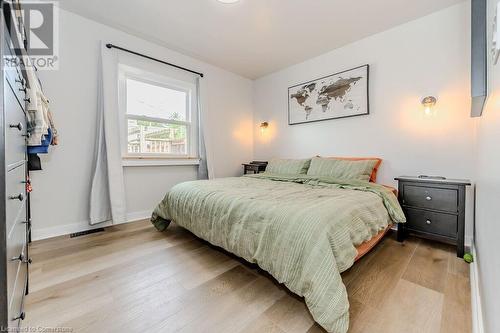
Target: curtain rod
[[109, 46]]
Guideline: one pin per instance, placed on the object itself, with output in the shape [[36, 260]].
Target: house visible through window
[[158, 117]]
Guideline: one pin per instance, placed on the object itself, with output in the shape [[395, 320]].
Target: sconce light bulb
[[263, 126], [428, 103]]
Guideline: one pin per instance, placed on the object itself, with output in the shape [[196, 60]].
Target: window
[[159, 121]]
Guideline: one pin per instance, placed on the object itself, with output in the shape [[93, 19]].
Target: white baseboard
[[136, 216], [477, 312], [66, 229], [468, 243]]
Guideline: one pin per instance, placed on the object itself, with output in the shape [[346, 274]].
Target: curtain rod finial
[[109, 46]]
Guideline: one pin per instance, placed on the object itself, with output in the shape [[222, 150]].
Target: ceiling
[[254, 37]]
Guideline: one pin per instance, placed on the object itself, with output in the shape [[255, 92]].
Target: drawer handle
[[19, 197], [28, 100], [21, 257], [20, 80], [428, 222], [19, 126], [23, 89], [22, 315], [28, 134], [428, 198]]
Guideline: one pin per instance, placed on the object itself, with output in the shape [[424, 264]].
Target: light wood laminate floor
[[131, 278]]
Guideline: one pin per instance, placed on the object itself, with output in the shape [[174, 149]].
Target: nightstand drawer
[[431, 198], [432, 222]]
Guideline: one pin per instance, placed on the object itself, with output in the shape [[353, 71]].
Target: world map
[[323, 93], [340, 95]]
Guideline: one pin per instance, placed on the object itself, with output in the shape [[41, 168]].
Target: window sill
[[159, 161]]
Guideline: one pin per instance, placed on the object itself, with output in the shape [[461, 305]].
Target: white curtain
[[107, 194], [204, 169]]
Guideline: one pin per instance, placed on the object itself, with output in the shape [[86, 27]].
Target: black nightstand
[[434, 208], [255, 167]]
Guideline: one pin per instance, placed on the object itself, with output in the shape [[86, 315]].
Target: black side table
[[434, 208], [255, 167]]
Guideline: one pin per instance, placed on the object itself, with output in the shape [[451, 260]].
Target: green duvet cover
[[302, 230]]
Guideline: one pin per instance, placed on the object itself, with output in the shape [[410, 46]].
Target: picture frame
[[340, 95]]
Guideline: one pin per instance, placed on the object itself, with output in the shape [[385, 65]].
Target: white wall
[[61, 190], [487, 234], [428, 56]]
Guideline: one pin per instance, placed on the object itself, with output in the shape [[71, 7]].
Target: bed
[[304, 230]]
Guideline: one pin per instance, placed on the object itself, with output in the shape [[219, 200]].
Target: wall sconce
[[263, 126], [429, 102]]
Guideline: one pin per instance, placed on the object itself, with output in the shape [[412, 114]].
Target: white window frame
[[137, 159]]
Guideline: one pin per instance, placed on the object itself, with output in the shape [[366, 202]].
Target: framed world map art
[[339, 95]]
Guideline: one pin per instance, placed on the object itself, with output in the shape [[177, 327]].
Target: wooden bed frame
[[368, 245]]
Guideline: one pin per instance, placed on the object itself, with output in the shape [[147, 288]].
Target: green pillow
[[288, 167], [341, 169]]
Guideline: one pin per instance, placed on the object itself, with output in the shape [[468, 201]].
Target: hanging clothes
[[40, 119], [34, 163], [55, 136], [43, 148]]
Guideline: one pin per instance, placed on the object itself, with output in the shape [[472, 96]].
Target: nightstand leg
[[461, 222], [460, 250], [401, 232]]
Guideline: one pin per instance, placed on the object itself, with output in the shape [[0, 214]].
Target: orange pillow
[[373, 176]]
